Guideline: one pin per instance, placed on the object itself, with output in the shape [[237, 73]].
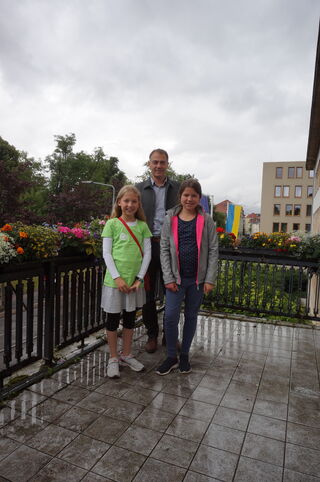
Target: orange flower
[[6, 238], [23, 234], [20, 250], [6, 227]]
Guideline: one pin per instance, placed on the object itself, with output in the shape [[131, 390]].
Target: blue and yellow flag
[[233, 219]]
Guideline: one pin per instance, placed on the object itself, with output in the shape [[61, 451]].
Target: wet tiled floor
[[248, 411]]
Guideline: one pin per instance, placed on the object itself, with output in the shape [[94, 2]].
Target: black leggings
[[113, 319]]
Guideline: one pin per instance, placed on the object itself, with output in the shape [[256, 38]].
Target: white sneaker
[[113, 368], [131, 362]]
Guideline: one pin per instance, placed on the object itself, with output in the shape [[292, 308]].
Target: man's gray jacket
[[148, 198]]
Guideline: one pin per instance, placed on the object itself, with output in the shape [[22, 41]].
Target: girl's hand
[[135, 286], [172, 287], [122, 285], [207, 288]]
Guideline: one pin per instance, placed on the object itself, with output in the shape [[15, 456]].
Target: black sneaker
[[184, 365], [168, 365]]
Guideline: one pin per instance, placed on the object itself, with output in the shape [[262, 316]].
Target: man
[[158, 194]]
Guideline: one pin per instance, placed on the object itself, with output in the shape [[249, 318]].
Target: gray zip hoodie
[[207, 242]]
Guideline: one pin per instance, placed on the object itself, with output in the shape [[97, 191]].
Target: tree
[[22, 186], [71, 201], [219, 218]]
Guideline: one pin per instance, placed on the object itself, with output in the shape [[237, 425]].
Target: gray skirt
[[114, 301]]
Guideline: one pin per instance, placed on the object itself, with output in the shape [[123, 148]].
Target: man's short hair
[[159, 151]]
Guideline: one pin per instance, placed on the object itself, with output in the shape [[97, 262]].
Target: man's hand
[[122, 285], [207, 288], [172, 287], [135, 286]]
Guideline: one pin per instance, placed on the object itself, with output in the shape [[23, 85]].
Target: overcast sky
[[223, 86]]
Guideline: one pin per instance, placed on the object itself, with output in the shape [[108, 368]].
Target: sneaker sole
[[185, 372], [170, 369], [124, 364]]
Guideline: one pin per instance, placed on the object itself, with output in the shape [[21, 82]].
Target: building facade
[[252, 223], [286, 198]]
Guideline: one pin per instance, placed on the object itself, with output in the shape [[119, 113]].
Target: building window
[[311, 173], [297, 209], [308, 228], [279, 172], [309, 191], [308, 209], [299, 172], [276, 209], [284, 227], [288, 209], [296, 226], [286, 191], [275, 227], [290, 172], [277, 191], [297, 191]]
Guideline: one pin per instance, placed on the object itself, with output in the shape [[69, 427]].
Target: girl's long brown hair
[[117, 211]]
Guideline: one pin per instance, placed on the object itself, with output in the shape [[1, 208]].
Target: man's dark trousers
[[149, 310]]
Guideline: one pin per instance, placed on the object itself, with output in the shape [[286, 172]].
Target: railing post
[[50, 273]]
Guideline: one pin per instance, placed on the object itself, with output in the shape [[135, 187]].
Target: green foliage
[[67, 170], [219, 218]]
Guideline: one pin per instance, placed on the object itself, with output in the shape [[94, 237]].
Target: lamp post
[[103, 184]]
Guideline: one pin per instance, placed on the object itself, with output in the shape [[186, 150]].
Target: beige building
[[286, 200]]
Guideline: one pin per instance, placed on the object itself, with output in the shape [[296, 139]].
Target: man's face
[[158, 165]]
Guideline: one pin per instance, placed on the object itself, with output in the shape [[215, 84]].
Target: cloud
[[222, 86]]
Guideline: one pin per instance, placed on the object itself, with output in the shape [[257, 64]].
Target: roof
[[314, 127], [223, 206]]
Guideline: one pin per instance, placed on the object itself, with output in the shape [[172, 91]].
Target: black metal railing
[[54, 303]]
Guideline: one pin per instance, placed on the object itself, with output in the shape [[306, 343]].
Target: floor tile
[[159, 471], [106, 429], [119, 464], [175, 451], [59, 471], [264, 449], [122, 409], [155, 419], [251, 470], [215, 463], [7, 446], [139, 439], [168, 403], [25, 400], [94, 401], [71, 394], [77, 419], [303, 435], [268, 427], [7, 414], [23, 429], [22, 464], [224, 438], [49, 410], [140, 395], [207, 395], [270, 408], [114, 388], [198, 410], [187, 428], [91, 477], [196, 477], [52, 439], [84, 451], [301, 459], [229, 417], [47, 386], [292, 476]]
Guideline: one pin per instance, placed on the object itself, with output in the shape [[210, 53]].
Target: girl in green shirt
[[127, 254]]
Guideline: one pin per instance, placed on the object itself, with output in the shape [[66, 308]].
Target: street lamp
[[103, 184]]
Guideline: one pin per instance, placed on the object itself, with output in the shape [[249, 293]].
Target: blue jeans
[[192, 296]]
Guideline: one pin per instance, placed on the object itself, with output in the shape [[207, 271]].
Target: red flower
[[232, 235], [6, 227], [220, 230]]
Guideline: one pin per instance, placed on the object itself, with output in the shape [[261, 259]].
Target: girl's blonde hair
[[117, 211]]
